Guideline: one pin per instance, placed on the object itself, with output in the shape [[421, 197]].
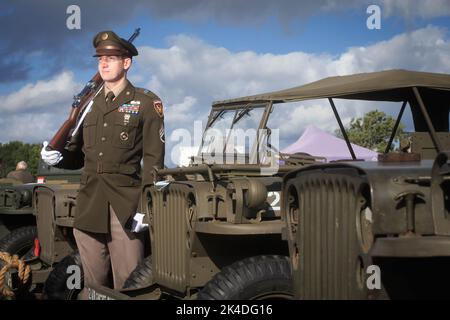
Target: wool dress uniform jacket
[[114, 138]]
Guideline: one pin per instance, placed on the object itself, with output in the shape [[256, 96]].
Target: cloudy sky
[[193, 52]]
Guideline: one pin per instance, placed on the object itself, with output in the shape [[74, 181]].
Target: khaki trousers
[[121, 250]]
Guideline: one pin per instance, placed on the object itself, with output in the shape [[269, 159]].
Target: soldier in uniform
[[124, 126], [21, 173]]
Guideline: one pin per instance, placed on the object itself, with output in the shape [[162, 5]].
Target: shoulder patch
[[157, 104]]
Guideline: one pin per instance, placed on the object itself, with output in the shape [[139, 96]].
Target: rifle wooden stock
[[60, 139]]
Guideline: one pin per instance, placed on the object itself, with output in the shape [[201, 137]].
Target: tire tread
[[238, 280]]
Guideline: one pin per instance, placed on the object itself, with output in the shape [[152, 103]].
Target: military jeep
[[216, 226], [16, 201], [15, 205], [42, 213], [375, 230]]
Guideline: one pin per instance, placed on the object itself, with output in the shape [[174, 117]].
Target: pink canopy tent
[[319, 143]]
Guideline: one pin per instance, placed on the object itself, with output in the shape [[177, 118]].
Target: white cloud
[[190, 74], [35, 111], [181, 113], [216, 73], [191, 67], [416, 8], [426, 49], [303, 114], [30, 127], [41, 95]]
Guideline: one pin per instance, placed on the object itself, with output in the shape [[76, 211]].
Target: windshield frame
[[218, 110]]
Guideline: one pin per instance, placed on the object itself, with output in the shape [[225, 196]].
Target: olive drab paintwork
[[16, 198], [114, 138], [375, 230]]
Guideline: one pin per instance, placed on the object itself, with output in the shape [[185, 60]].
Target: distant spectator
[[21, 173]]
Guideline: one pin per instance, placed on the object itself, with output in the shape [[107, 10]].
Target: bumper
[[414, 247]]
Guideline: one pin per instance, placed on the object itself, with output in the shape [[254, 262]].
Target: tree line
[[373, 130], [15, 151]]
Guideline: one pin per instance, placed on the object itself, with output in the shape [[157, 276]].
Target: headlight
[[25, 198], [256, 194]]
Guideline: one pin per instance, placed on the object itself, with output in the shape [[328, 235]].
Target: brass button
[[100, 154], [105, 124], [103, 138]]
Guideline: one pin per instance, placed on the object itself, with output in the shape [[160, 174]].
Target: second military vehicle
[[42, 238], [366, 230]]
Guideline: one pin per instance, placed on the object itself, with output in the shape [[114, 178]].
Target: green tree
[[15, 151], [373, 131]]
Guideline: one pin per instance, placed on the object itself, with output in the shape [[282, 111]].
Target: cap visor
[[109, 52]]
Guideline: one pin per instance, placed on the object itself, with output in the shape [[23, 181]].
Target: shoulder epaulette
[[145, 91], [157, 104]]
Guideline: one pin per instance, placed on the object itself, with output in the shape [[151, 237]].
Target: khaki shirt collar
[[125, 96], [118, 88]]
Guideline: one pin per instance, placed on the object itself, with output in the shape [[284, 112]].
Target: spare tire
[[19, 241], [255, 278], [55, 287], [142, 275]]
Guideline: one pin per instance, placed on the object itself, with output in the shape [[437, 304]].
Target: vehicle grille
[[45, 217], [170, 236], [330, 262]]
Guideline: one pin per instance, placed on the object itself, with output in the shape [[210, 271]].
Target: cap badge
[[104, 36]]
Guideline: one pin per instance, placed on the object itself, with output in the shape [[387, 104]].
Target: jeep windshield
[[232, 130]]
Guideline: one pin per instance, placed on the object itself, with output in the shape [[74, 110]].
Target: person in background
[[21, 173]]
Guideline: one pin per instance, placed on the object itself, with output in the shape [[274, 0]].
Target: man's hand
[[137, 224], [52, 157]]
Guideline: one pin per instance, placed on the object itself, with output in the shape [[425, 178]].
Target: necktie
[[109, 97]]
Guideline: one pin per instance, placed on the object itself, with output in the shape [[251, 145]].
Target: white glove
[[137, 224], [50, 157]]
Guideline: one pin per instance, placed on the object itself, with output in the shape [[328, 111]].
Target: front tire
[[255, 278], [55, 287], [142, 275], [19, 241]]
